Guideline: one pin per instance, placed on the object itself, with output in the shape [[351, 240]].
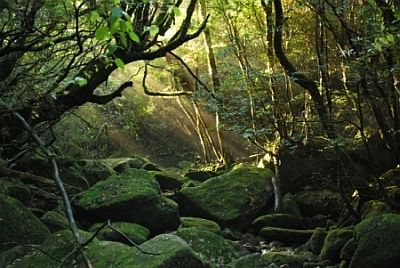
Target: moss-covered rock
[[169, 181], [277, 220], [231, 199], [133, 196], [269, 260], [16, 190], [333, 244], [317, 240], [18, 225], [290, 206], [201, 224], [374, 208], [55, 221], [347, 251], [133, 231], [377, 239], [322, 202], [285, 235], [95, 171], [200, 175], [209, 246], [133, 162]]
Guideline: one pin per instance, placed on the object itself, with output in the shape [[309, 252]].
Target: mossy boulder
[[270, 259], [277, 220], [169, 181], [377, 242], [324, 202], [133, 196], [18, 225], [347, 251], [95, 171], [333, 244], [133, 231], [200, 175], [133, 162], [233, 199], [374, 208], [55, 221], [201, 224], [285, 235], [290, 206], [16, 190], [209, 246], [317, 240]]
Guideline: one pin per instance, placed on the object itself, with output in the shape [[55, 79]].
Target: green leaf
[[154, 30], [94, 16], [390, 38], [80, 81], [102, 33], [119, 63], [128, 26], [123, 40], [116, 12], [134, 37], [111, 48], [177, 11]]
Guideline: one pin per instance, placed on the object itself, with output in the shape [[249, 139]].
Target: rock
[[151, 167], [317, 240], [290, 206], [55, 221], [374, 208], [133, 196], [135, 232], [200, 175], [268, 260], [171, 252], [277, 220], [18, 225], [377, 242], [246, 193], [323, 202], [201, 224], [169, 181], [16, 190], [209, 246], [133, 162], [95, 171], [333, 244], [286, 235], [348, 250]]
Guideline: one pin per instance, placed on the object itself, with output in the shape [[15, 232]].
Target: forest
[[200, 133]]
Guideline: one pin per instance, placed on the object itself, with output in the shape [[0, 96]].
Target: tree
[[56, 54]]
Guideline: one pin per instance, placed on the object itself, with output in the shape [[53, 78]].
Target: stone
[[209, 246], [18, 225], [333, 244], [95, 171], [377, 242], [322, 202], [374, 208], [169, 181], [133, 196], [233, 199], [16, 190], [290, 206], [317, 240], [55, 221], [133, 162], [270, 259], [200, 175], [135, 232], [286, 235], [201, 224], [347, 251], [277, 220]]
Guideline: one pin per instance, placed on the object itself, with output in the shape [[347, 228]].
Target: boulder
[[374, 208], [324, 202], [164, 251], [201, 224], [16, 190], [333, 244], [135, 232], [95, 171], [277, 220], [317, 240], [55, 221], [209, 246], [348, 250], [290, 206], [133, 196], [18, 225], [286, 235], [133, 162], [377, 242], [233, 199], [270, 259], [169, 181], [200, 175]]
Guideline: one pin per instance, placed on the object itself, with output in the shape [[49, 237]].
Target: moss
[[333, 244], [269, 259], [246, 191], [16, 190], [95, 171], [135, 232], [322, 202], [55, 221], [285, 235], [277, 220], [317, 240], [18, 225], [374, 208], [377, 239], [290, 206], [169, 180], [209, 246], [201, 224]]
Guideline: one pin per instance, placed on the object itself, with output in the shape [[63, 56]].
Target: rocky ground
[[133, 213]]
